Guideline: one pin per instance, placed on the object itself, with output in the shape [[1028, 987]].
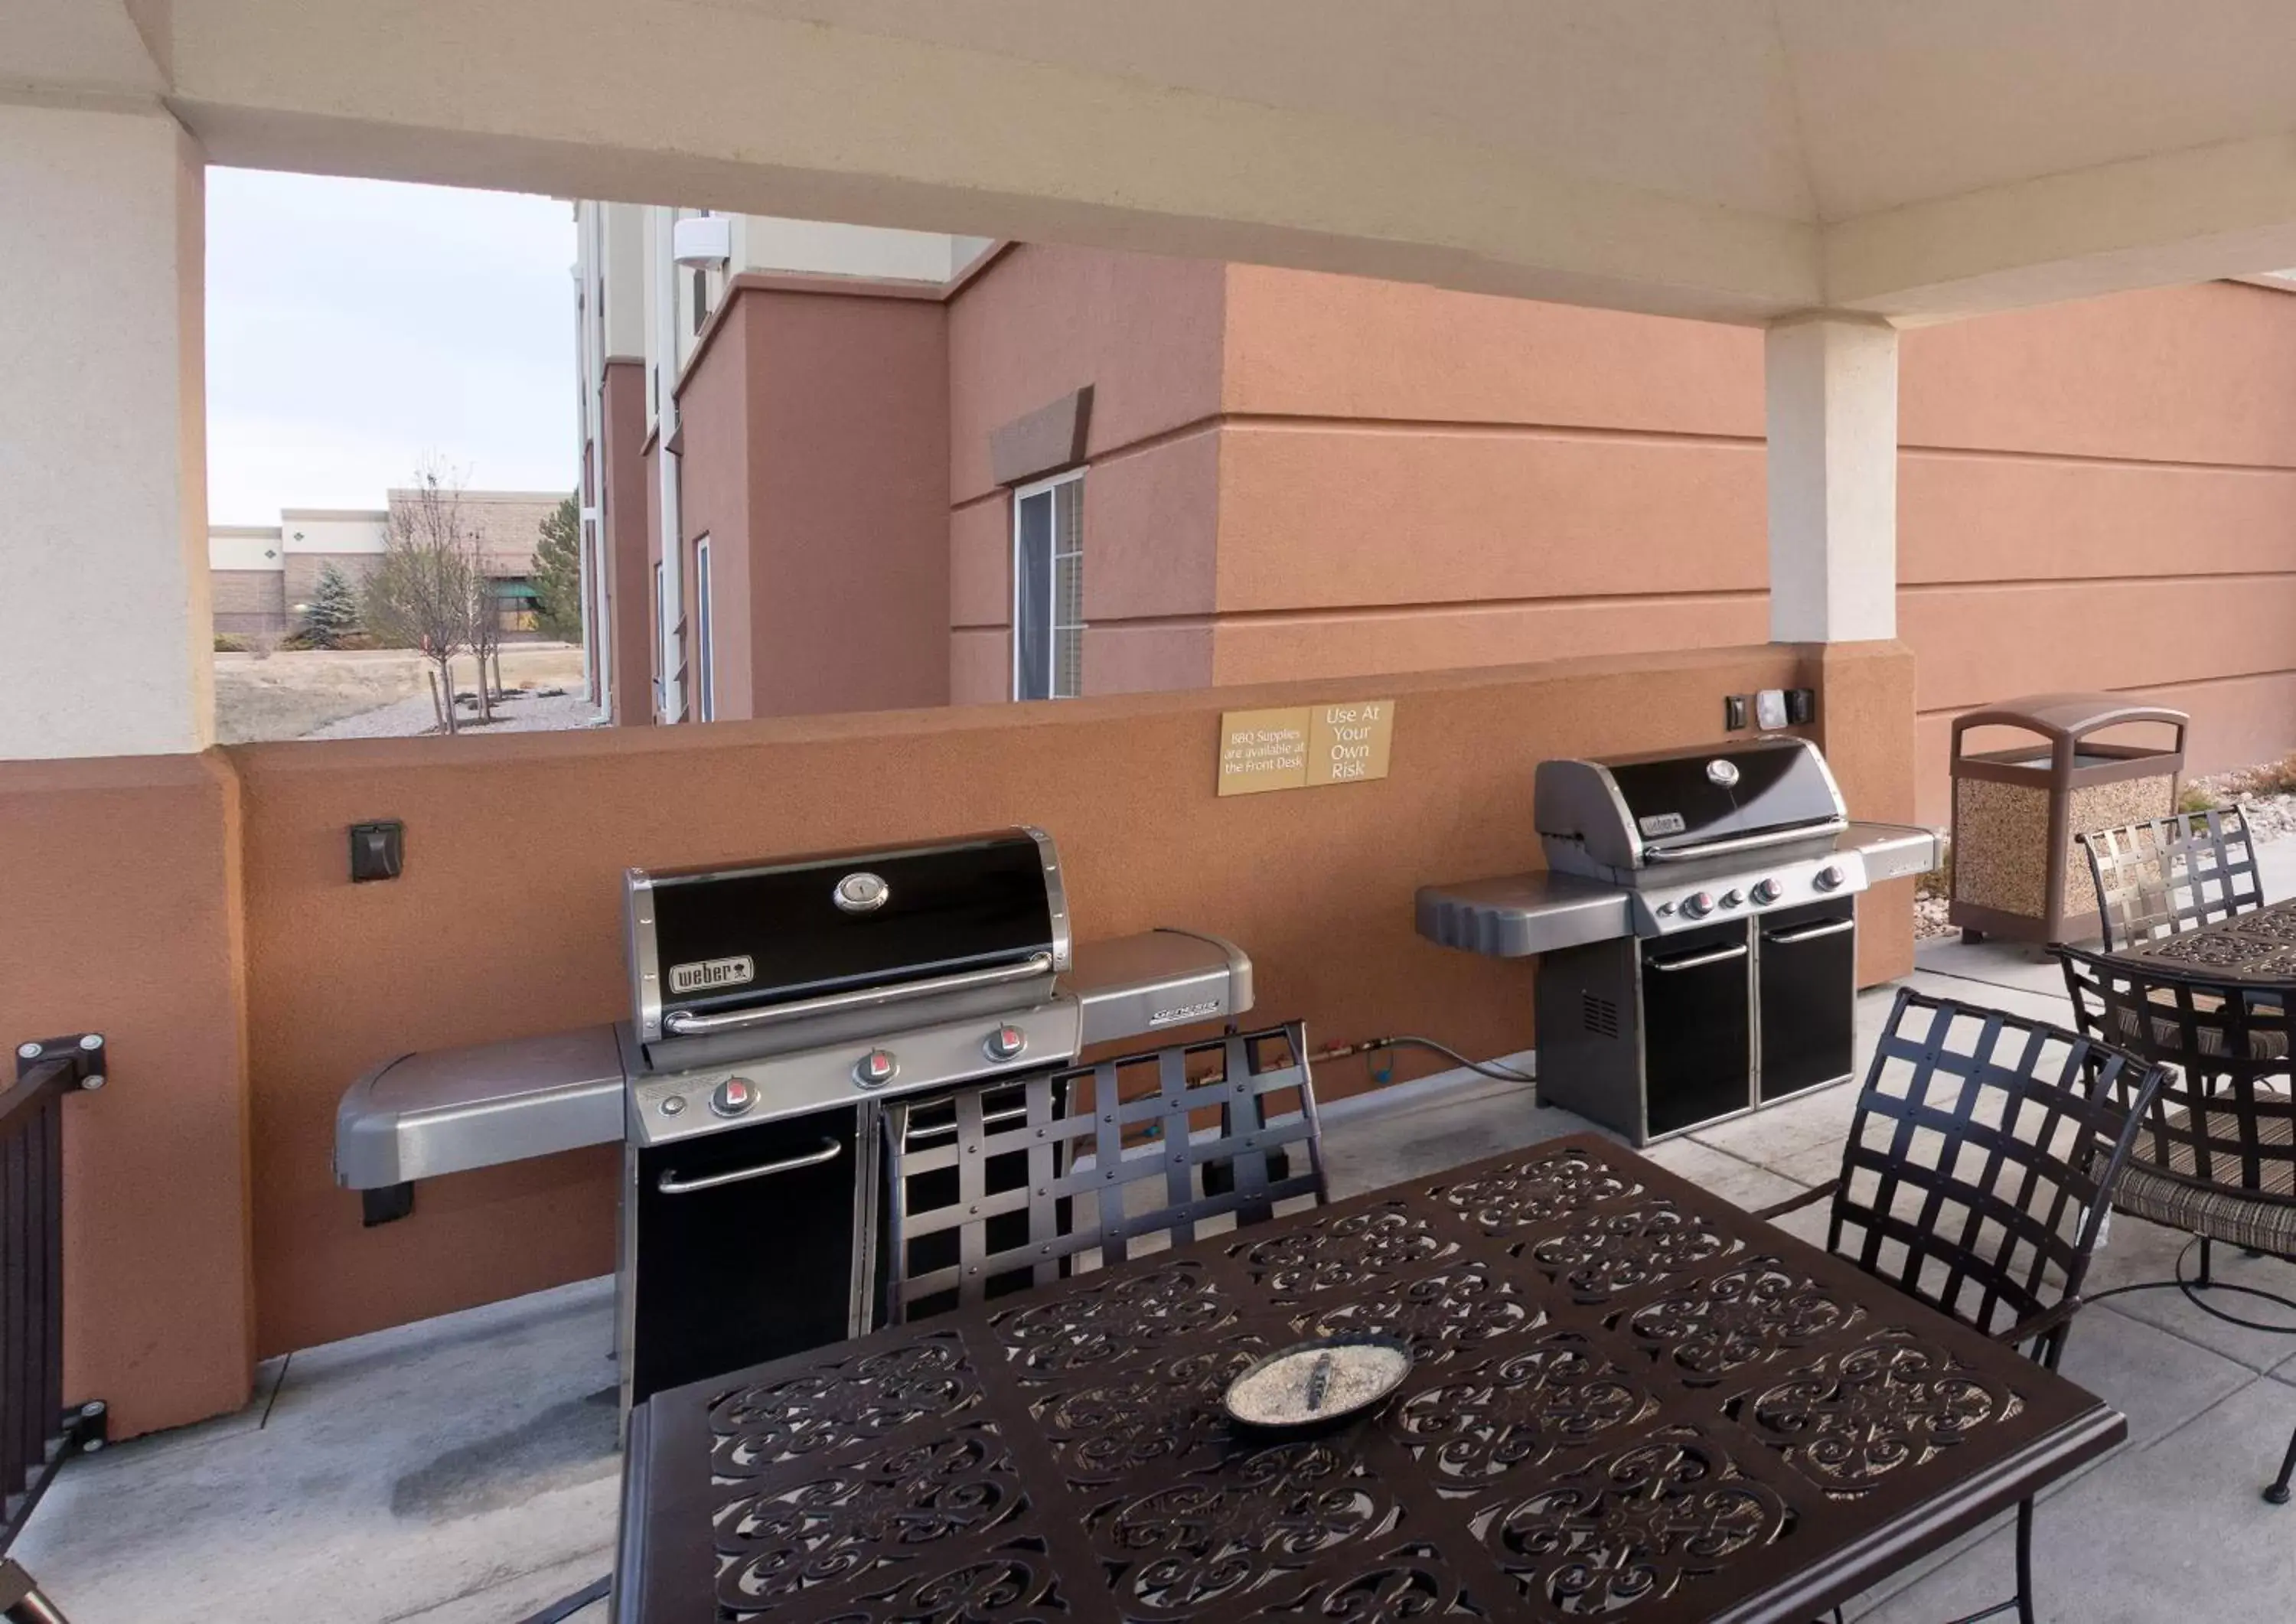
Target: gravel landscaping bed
[[297, 693], [2266, 792], [516, 712]]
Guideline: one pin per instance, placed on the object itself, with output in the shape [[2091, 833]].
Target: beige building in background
[[260, 574]]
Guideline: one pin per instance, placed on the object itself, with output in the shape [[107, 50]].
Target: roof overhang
[[1735, 160]]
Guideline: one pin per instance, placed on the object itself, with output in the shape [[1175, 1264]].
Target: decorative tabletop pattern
[[2257, 946], [1630, 1401]]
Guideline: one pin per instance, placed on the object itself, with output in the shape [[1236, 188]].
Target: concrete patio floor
[[462, 1470]]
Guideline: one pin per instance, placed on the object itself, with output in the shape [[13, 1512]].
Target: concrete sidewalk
[[463, 1471]]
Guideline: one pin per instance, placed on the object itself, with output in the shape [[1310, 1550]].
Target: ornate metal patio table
[[1630, 1400], [2258, 946]]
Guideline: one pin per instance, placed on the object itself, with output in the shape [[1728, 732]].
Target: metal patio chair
[[2166, 875], [20, 1599], [1007, 1184], [1976, 1174], [2216, 1154]]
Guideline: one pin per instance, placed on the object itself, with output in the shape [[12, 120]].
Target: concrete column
[[1832, 408], [105, 632]]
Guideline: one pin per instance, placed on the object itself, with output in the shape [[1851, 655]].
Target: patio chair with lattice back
[[2215, 1156], [21, 1601], [1976, 1176], [1010, 1184], [2166, 875]]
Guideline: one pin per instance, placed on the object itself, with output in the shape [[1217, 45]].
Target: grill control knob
[[1006, 1043], [875, 1069], [1767, 891], [733, 1096], [1698, 905], [1828, 878]]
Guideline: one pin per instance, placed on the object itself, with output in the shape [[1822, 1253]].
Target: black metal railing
[[38, 1433]]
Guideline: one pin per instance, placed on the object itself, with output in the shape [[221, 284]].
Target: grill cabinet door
[[1809, 996], [747, 1270], [1697, 1027]]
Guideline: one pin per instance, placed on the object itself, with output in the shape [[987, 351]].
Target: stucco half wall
[[507, 918], [506, 922], [122, 885]]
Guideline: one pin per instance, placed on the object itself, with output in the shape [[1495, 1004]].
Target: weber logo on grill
[[711, 973], [1661, 823]]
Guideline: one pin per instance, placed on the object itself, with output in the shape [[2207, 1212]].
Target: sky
[[358, 328]]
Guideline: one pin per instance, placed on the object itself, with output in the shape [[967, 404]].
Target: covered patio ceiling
[[1735, 160]]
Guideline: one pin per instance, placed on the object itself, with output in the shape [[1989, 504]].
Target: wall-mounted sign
[[1304, 744]]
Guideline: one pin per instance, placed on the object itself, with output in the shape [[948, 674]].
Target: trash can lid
[[2069, 716]]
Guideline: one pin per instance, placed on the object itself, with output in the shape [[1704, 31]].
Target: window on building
[[705, 635], [1048, 588], [700, 299], [660, 645]]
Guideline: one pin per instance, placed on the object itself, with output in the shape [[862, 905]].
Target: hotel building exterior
[[914, 470]]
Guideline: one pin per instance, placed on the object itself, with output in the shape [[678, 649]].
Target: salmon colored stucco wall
[[815, 443], [1296, 475], [850, 554], [2104, 494], [1145, 334], [2094, 495], [203, 1226], [625, 516], [717, 499], [506, 919], [121, 882], [1304, 344], [1413, 478]]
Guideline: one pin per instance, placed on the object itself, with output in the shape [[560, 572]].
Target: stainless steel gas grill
[[775, 1006], [1696, 927]]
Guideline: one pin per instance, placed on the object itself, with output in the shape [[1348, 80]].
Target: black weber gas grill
[[776, 1007], [1695, 925]]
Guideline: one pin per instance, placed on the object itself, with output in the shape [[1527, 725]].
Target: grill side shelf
[[1892, 851], [1518, 915], [447, 1110], [1157, 980]]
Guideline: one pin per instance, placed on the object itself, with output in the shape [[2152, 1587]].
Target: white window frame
[[660, 645], [1020, 494], [705, 652]]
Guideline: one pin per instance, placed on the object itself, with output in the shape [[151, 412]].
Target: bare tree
[[421, 592], [485, 635]]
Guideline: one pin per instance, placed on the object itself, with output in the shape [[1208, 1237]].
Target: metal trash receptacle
[[2015, 872]]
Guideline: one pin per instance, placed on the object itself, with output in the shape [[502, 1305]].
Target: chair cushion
[[2262, 1044], [2264, 1219]]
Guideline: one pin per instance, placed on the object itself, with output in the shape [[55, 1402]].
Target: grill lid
[[716, 948], [1626, 812]]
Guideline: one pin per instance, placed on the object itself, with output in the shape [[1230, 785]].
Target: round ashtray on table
[[1316, 1384]]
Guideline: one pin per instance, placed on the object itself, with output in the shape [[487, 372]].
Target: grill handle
[[1744, 842], [1824, 927], [685, 1023], [672, 1184], [1694, 960]]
